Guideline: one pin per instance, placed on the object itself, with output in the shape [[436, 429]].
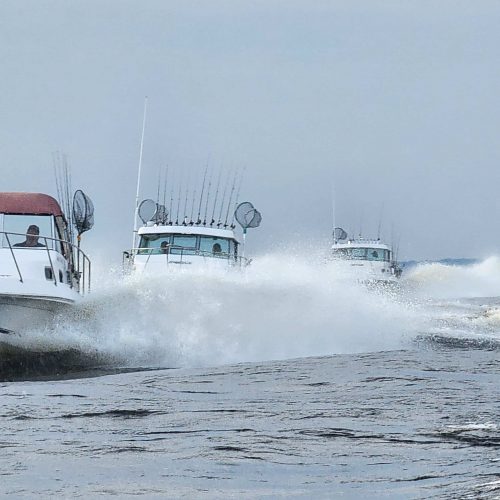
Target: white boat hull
[[21, 313]]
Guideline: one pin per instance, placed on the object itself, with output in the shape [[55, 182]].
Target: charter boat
[[166, 245], [368, 261], [169, 242], [42, 270]]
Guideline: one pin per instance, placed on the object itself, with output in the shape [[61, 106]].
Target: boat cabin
[[163, 245], [370, 250], [35, 242]]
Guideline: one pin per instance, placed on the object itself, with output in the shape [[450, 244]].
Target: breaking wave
[[438, 280]]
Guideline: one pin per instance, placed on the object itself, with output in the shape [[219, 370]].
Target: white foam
[[280, 307]]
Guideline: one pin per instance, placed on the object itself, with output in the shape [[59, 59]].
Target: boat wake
[[279, 308]]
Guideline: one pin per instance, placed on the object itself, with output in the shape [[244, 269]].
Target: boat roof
[[181, 229], [29, 204], [361, 243]]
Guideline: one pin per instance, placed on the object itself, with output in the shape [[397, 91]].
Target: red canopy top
[[29, 204]]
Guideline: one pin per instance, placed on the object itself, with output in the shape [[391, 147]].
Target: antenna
[[198, 221], [158, 187], [139, 171]]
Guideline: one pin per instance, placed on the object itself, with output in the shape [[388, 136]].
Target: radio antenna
[[139, 172], [158, 187]]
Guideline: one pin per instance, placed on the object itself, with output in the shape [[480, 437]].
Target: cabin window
[[213, 246], [340, 253], [153, 243], [183, 244], [378, 254], [16, 227], [375, 254]]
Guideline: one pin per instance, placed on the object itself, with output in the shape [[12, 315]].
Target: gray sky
[[397, 102]]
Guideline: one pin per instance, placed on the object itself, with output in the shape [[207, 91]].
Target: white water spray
[[280, 307]]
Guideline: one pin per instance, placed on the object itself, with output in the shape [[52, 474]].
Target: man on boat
[[31, 238], [164, 247]]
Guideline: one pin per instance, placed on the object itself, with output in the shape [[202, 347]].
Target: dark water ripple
[[420, 423]]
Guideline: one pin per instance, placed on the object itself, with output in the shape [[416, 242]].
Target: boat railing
[[176, 254], [82, 268]]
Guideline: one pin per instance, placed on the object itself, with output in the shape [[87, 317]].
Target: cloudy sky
[[395, 102]]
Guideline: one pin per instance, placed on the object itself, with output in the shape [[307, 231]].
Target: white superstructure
[[168, 247], [368, 261]]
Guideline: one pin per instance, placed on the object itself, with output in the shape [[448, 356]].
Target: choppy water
[[174, 390]]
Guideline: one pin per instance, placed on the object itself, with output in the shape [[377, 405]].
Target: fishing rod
[[380, 221], [184, 222], [216, 196], [67, 185], [56, 175], [178, 202], [237, 196], [198, 221], [171, 204], [208, 198], [223, 201], [165, 193], [230, 199], [191, 222]]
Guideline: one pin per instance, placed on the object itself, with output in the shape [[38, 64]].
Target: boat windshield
[[187, 244], [31, 229], [357, 253]]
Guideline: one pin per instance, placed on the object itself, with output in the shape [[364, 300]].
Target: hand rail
[[80, 278], [185, 252], [14, 257]]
